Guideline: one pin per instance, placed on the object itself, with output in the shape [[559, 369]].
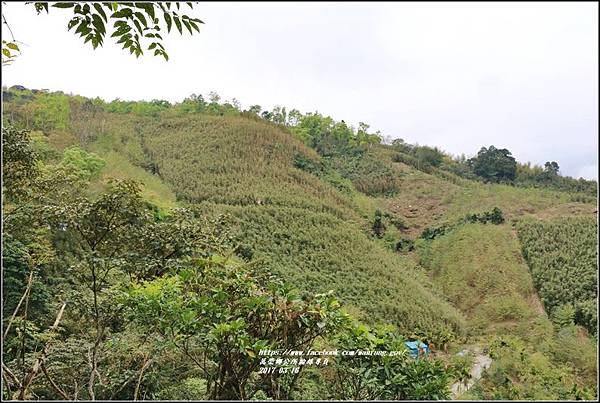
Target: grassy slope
[[309, 232], [480, 269], [306, 229], [425, 199], [238, 161]]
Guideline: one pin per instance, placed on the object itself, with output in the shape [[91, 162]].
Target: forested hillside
[[562, 254], [151, 250]]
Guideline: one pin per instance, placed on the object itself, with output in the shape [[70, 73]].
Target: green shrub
[[87, 165], [188, 389], [45, 151], [301, 161], [427, 156], [430, 233], [378, 225], [564, 316], [397, 221], [405, 245], [226, 313], [368, 173], [519, 373], [377, 377], [460, 367], [494, 216], [586, 314]]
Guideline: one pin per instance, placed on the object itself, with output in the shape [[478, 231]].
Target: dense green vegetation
[[562, 255], [481, 270], [494, 165], [154, 294], [522, 373], [171, 242]]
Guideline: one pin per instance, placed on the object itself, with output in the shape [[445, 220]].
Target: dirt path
[[482, 362]]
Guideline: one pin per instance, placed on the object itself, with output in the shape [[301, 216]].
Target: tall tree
[[494, 165]]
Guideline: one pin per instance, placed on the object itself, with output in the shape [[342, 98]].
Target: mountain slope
[[312, 215], [307, 230]]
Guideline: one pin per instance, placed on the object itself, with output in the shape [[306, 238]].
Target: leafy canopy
[[135, 26], [494, 164]]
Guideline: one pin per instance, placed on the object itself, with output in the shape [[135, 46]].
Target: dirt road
[[481, 363]]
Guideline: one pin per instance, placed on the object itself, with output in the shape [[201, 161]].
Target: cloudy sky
[[459, 76]]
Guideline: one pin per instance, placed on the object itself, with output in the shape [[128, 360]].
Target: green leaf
[[100, 11], [63, 5], [121, 31], [148, 8], [98, 24], [40, 6], [168, 21], [123, 39], [116, 33], [72, 23], [80, 29], [12, 45], [141, 18], [195, 26], [178, 24], [189, 28], [137, 25], [6, 52], [122, 13]]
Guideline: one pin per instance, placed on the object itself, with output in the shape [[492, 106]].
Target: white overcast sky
[[459, 76]]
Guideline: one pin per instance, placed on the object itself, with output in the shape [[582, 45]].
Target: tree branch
[[54, 385], [8, 26], [145, 365], [42, 357], [14, 315]]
